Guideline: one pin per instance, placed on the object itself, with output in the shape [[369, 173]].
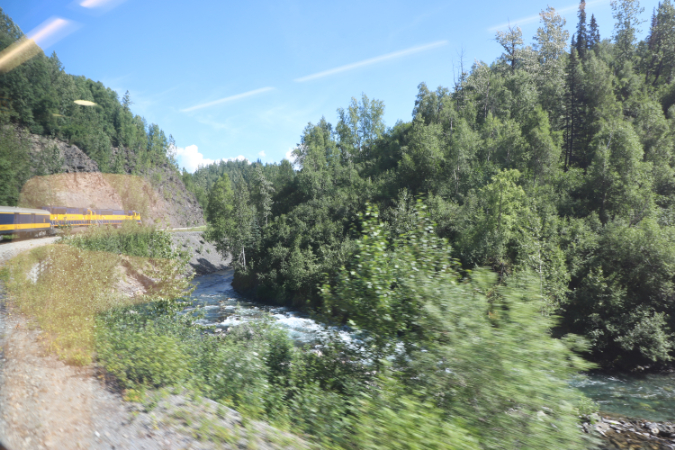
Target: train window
[[6, 219]]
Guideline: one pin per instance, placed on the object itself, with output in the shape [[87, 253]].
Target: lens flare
[[85, 103], [27, 47]]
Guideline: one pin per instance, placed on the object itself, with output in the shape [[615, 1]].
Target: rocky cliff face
[[66, 158], [159, 193]]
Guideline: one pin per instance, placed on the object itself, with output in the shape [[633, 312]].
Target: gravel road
[[45, 403], [9, 250]]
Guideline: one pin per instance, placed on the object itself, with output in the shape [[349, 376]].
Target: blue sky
[[242, 79]]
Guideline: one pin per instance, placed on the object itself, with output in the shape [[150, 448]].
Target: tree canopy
[[556, 159]]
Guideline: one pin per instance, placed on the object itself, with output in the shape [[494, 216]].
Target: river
[[650, 396], [224, 308]]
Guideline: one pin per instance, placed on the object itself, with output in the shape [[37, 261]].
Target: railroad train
[[43, 221]]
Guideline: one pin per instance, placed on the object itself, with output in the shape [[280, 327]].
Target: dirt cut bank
[[109, 191]]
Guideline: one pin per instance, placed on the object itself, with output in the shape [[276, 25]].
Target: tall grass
[[129, 239], [73, 286], [64, 287]]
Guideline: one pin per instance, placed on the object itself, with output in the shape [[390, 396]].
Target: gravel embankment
[[623, 433], [9, 250], [45, 403], [204, 256]]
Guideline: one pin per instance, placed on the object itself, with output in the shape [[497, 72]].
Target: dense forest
[[39, 97], [557, 159], [525, 216]]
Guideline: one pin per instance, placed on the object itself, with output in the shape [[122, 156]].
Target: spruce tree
[[660, 44], [573, 106], [593, 33], [582, 35], [627, 27]]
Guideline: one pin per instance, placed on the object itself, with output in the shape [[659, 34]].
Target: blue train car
[[27, 221]]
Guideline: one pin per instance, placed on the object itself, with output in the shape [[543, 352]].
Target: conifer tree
[[573, 106], [582, 35], [660, 44], [593, 33], [627, 16]]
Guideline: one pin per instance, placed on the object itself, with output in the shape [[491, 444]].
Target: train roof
[[12, 210]]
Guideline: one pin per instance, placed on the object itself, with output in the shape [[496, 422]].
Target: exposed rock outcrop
[[71, 157], [66, 176]]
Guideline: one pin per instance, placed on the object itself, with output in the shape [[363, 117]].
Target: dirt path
[[10, 249], [47, 404]]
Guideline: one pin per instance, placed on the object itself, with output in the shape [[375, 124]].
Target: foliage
[[64, 287], [459, 344], [145, 359], [39, 96], [541, 161], [129, 239], [14, 162], [437, 359]]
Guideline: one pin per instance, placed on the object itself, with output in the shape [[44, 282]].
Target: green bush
[[239, 376], [129, 239], [321, 413], [474, 349], [402, 422], [145, 358]]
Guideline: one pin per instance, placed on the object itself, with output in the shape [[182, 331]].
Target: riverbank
[[99, 414], [204, 258], [46, 403], [620, 433]]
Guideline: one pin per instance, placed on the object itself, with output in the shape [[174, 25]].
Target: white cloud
[[292, 158], [262, 154], [368, 62], [190, 158], [228, 99], [535, 18]]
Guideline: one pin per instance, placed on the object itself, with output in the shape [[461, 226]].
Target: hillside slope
[[65, 175]]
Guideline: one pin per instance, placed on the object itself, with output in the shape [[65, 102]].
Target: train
[[45, 220]]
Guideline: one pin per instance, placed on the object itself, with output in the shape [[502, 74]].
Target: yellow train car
[[27, 221], [62, 216], [117, 216]]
